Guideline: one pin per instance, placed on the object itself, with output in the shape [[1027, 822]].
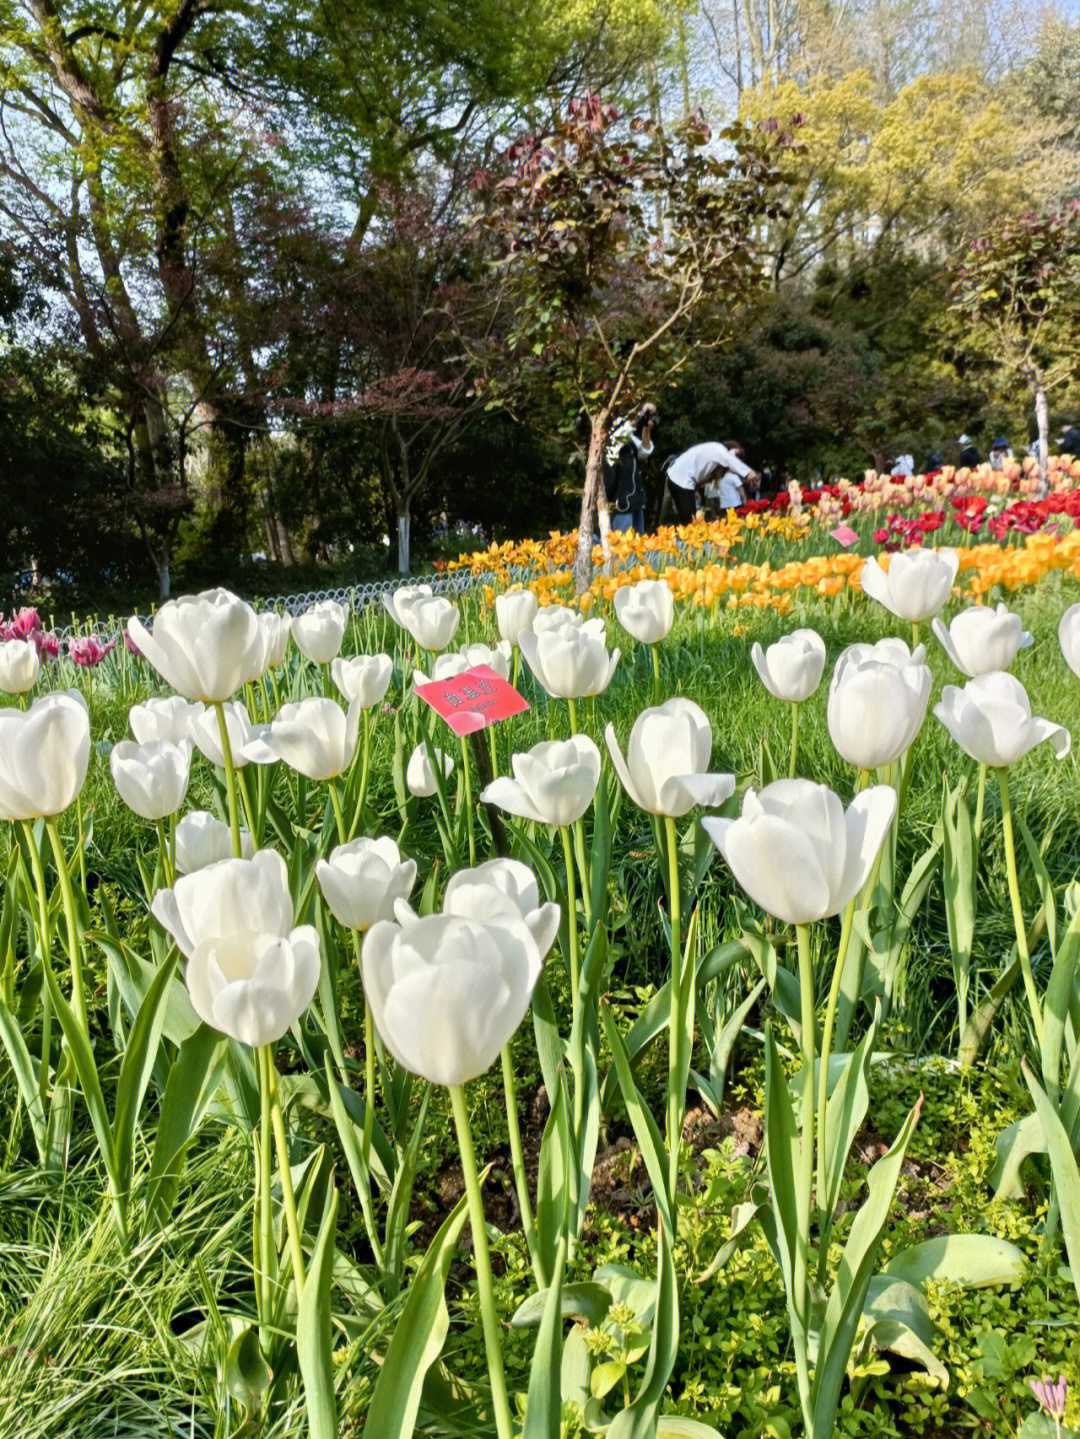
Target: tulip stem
[[230, 779], [824, 1219], [78, 997], [572, 707], [517, 1157], [335, 800], [655, 651], [676, 1037], [288, 1195], [1017, 906], [806, 1147], [265, 1230], [980, 803], [571, 908], [914, 635], [365, 721], [45, 944], [794, 740], [166, 861], [489, 1318], [466, 771]]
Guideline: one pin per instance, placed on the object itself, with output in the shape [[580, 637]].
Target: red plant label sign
[[845, 535], [473, 699]]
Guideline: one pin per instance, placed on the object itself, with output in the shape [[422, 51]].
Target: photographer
[[631, 440], [717, 469]]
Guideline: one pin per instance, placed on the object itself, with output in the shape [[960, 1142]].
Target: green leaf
[[845, 1306], [638, 1420], [193, 1078], [543, 1413], [1066, 1174], [782, 1158], [86, 1069], [22, 1066], [844, 1114], [1056, 1004], [646, 1131], [314, 1334], [970, 1261], [585, 1300], [247, 1374], [958, 879], [1042, 879], [138, 1062], [351, 1136], [397, 1212], [553, 1177], [671, 1426], [418, 1338]]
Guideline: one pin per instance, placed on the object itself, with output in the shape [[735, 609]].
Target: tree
[[1018, 289], [602, 307]]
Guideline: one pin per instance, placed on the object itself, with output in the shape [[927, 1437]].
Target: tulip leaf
[[247, 1374], [351, 1136], [781, 1153], [139, 1057], [646, 1131], [587, 1300], [742, 1216], [418, 1338], [958, 877], [86, 1069], [22, 1066], [845, 1306], [314, 1332], [844, 1114], [397, 1211], [674, 1426], [1064, 1168], [193, 1078], [554, 1176], [133, 977], [549, 1044], [543, 1412], [638, 1420], [968, 1261], [1013, 1145], [1043, 881], [1056, 1002]]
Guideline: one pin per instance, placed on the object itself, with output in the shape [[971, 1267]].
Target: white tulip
[[1069, 637], [420, 777], [205, 733], [791, 669], [664, 771], [250, 972], [44, 755], [398, 602], [446, 667], [980, 639], [314, 736], [364, 679], [202, 840], [496, 657], [554, 782], [361, 881], [515, 611], [991, 720], [448, 993], [168, 720], [916, 585], [503, 888], [205, 646], [277, 631], [318, 632], [646, 610], [555, 617], [20, 666], [152, 779], [797, 853], [567, 662], [431, 620], [877, 703]]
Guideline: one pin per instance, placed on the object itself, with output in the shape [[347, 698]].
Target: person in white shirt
[[710, 466]]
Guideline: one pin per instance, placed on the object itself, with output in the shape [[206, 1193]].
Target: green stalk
[[914, 635], [517, 1156], [572, 707], [45, 943], [470, 820], [335, 800], [78, 996], [365, 722], [166, 859], [846, 927], [571, 905], [288, 1195], [655, 650], [584, 871], [1017, 906], [980, 802], [230, 779], [504, 1426], [805, 1182], [265, 1212], [794, 740], [677, 1039]]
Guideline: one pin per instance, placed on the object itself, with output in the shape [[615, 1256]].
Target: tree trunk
[[164, 578], [403, 524], [1042, 418], [592, 499]]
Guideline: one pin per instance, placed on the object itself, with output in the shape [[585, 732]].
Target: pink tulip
[[89, 652]]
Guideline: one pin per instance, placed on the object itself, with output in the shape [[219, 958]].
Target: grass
[[93, 1343]]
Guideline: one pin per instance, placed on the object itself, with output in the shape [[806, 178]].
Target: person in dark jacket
[[1069, 442], [630, 442], [969, 455]]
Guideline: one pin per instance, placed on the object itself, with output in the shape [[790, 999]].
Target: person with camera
[[630, 442], [708, 470]]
